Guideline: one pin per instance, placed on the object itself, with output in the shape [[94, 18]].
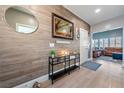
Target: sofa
[[108, 51]]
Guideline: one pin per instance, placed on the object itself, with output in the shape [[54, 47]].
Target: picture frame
[[62, 28]]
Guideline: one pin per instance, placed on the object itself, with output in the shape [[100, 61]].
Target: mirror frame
[[4, 18]]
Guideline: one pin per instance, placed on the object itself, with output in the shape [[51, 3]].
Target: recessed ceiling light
[[97, 10]]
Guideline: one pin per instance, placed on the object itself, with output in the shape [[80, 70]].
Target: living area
[[107, 45]]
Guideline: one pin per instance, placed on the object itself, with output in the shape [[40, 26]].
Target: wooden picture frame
[[62, 28]]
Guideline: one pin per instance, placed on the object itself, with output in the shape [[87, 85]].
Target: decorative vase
[[52, 56]]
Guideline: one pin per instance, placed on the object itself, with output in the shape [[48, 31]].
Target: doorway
[[84, 45], [108, 45]]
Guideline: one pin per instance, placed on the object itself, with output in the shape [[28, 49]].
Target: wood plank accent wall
[[24, 57]]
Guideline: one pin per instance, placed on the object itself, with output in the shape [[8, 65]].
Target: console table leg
[[69, 67], [49, 68], [65, 64], [52, 73], [79, 62]]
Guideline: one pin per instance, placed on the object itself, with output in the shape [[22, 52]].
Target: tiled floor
[[109, 75]]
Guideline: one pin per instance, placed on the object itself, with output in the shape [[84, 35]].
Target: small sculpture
[[36, 85]]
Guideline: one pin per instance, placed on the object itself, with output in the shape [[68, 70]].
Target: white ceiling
[[86, 12]]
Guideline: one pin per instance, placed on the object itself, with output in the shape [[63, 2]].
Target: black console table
[[70, 62]]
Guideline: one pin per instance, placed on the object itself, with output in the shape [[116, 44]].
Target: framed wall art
[[62, 28]]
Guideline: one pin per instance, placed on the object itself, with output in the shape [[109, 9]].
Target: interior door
[[84, 45]]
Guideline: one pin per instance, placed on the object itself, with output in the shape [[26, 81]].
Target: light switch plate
[[51, 45]]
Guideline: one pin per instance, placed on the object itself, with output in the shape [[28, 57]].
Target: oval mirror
[[21, 19]]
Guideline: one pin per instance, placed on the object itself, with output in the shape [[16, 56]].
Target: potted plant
[[52, 53]]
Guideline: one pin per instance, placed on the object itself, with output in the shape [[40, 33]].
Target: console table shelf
[[70, 62]]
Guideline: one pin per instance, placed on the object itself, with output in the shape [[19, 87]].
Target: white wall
[[108, 25]]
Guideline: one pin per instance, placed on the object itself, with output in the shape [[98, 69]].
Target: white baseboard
[[29, 84]]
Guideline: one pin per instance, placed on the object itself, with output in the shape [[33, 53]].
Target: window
[[93, 43], [118, 42], [96, 43], [101, 43], [112, 42], [106, 42], [24, 28]]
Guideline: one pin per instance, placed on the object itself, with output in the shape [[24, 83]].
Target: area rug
[[108, 59], [91, 65]]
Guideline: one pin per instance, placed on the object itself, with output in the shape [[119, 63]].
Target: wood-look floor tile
[[109, 75]]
